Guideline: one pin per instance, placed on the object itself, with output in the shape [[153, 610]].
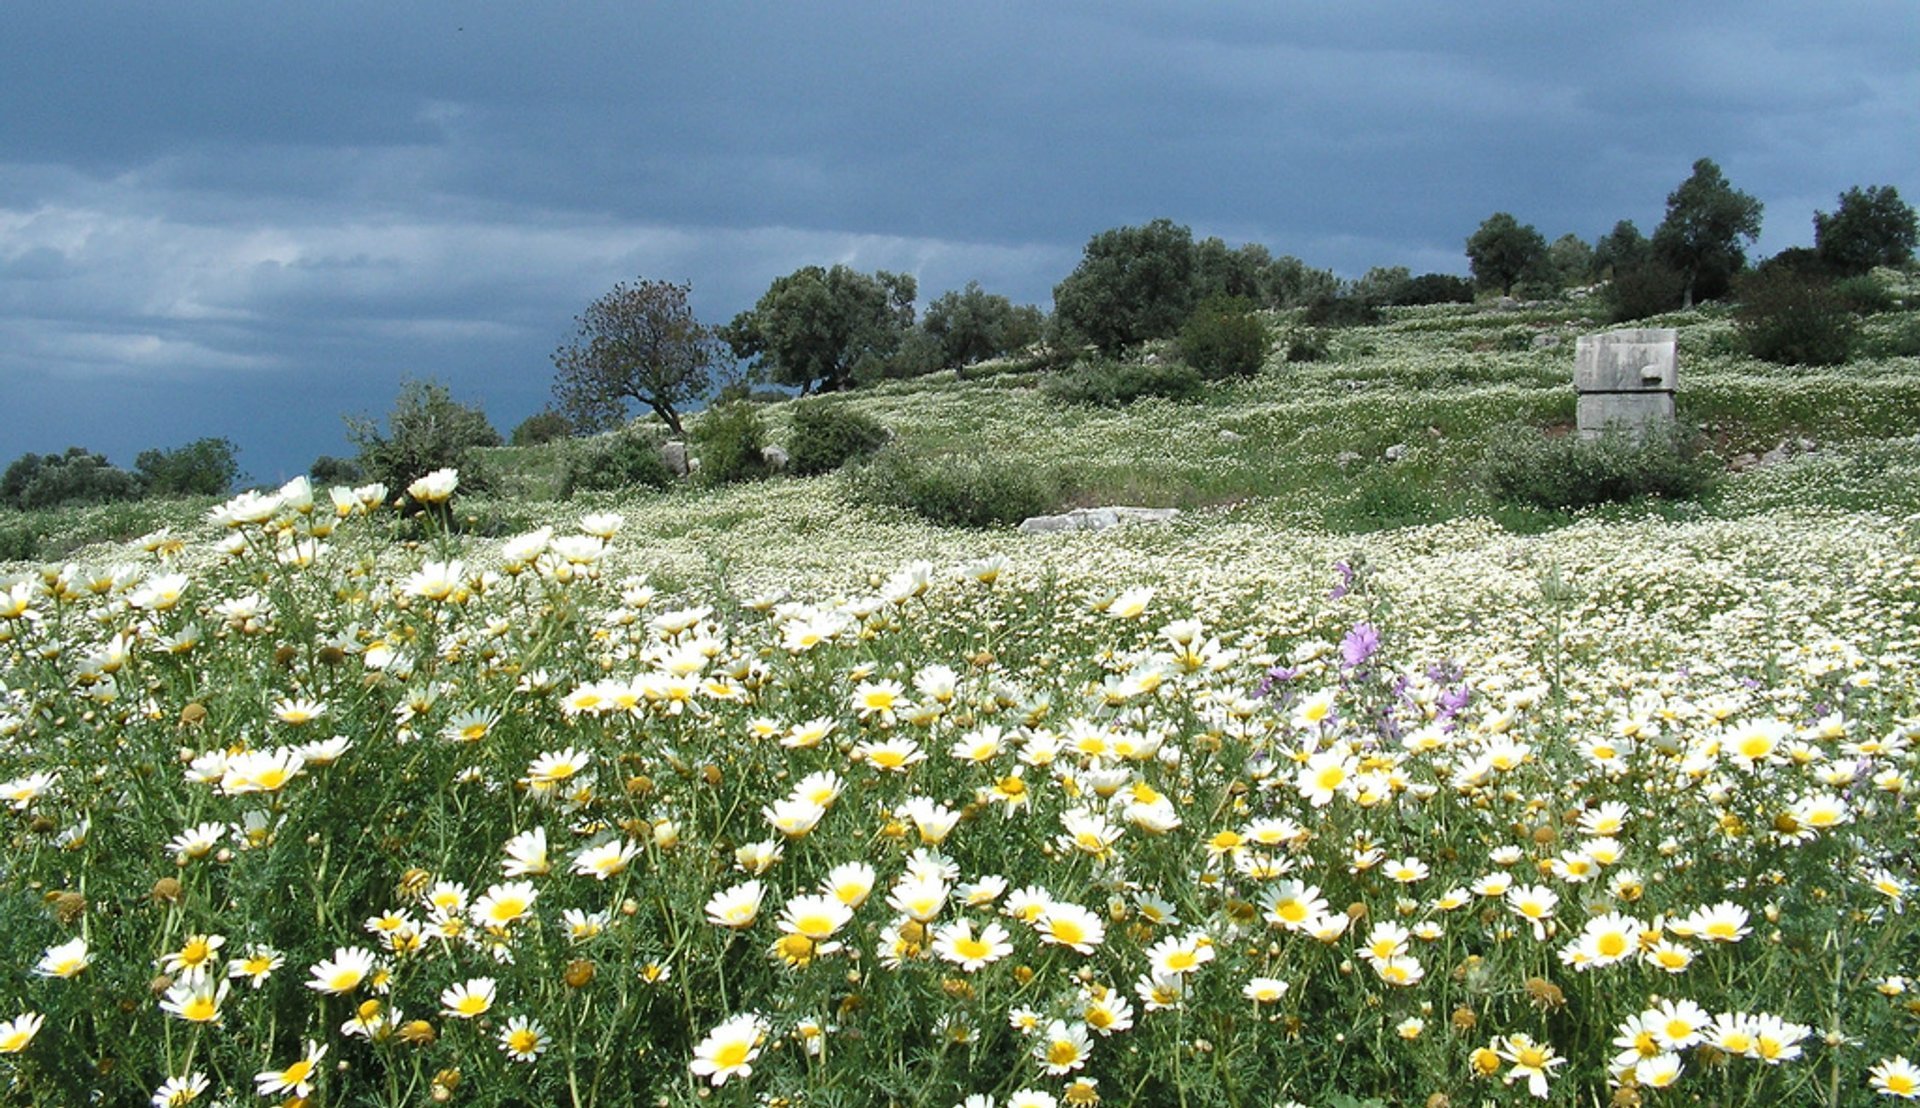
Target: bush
[[1307, 344], [1789, 320], [205, 467], [19, 541], [1334, 309], [1643, 289], [1223, 338], [827, 435], [427, 430], [542, 427], [1435, 288], [620, 460], [1569, 472], [329, 470], [956, 490], [729, 440], [1112, 384], [77, 477], [1865, 295]]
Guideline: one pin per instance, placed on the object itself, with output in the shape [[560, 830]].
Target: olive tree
[[639, 343]]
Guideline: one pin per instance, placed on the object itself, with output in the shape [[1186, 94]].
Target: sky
[[251, 220]]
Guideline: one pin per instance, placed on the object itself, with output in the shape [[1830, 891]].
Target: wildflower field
[[313, 802]]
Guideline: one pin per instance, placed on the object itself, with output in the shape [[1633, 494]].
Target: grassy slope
[[1449, 383]]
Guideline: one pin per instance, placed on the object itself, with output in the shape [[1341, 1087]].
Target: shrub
[[1307, 344], [1112, 384], [205, 467], [1645, 288], [1790, 320], [621, 460], [19, 541], [542, 427], [956, 490], [427, 430], [827, 435], [729, 440], [77, 477], [1569, 472], [329, 470], [1436, 288], [1223, 338], [1334, 309], [1865, 295]]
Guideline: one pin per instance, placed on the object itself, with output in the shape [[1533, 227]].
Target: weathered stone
[[1625, 379], [1230, 436], [1347, 458], [775, 457], [675, 455], [1395, 452], [1633, 360], [1096, 519], [1630, 412]]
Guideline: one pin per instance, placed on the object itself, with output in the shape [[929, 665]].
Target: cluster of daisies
[[1158, 803]]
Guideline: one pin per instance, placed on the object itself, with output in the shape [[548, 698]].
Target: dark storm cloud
[[244, 219]]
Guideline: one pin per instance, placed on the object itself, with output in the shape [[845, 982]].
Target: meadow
[[1349, 787]]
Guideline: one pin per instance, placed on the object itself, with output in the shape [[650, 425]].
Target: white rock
[[1096, 519]]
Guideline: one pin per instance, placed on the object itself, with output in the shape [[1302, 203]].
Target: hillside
[[1351, 786]]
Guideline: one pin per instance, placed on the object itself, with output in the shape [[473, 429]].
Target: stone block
[[1632, 360], [1631, 412]]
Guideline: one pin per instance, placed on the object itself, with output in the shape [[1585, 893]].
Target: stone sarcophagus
[[1625, 379]]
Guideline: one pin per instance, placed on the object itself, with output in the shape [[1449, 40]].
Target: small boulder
[[1096, 519], [675, 455], [1395, 452], [1347, 458], [775, 458], [1230, 436]]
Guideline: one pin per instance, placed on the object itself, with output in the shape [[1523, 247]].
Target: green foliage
[[1339, 308], [972, 325], [1132, 284], [639, 343], [730, 440], [1791, 320], [1644, 288], [825, 436], [1241, 271], [1224, 338], [542, 427], [78, 476], [956, 490], [825, 329], [1871, 227], [1621, 249], [204, 467], [1570, 260], [329, 470], [1111, 383], [19, 540], [1435, 288], [427, 430], [1568, 472], [1289, 282], [1306, 344], [622, 460], [1503, 250], [1865, 295], [1701, 237]]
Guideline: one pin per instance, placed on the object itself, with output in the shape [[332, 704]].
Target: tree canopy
[[1132, 284], [1871, 227], [1708, 225], [971, 325], [205, 467], [1503, 250], [639, 343], [821, 330]]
